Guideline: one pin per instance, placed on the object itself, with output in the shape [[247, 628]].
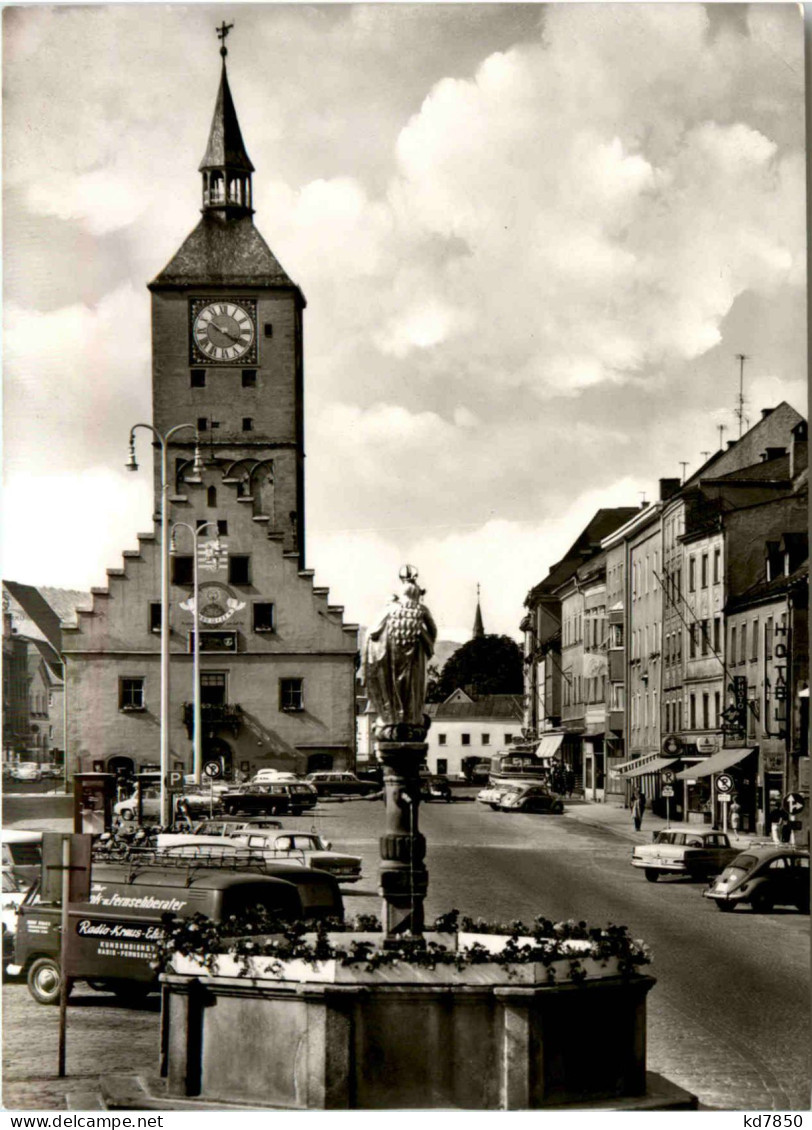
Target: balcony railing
[[214, 716]]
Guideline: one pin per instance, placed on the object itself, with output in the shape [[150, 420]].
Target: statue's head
[[411, 590]]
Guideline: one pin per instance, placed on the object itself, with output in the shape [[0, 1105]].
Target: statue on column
[[398, 649]]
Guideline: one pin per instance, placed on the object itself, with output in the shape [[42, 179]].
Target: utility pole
[[739, 412]]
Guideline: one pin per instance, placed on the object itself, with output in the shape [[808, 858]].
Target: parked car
[[492, 794], [764, 877], [52, 772], [696, 853], [14, 889], [340, 784], [199, 800], [373, 774], [22, 853], [435, 787], [532, 798], [268, 776], [478, 773], [223, 827], [270, 799], [26, 771], [150, 807], [305, 847]]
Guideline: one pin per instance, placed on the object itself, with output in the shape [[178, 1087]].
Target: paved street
[[728, 1018]]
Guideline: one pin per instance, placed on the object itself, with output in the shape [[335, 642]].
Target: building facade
[[465, 727], [277, 660]]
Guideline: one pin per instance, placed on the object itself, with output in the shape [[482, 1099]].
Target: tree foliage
[[489, 665]]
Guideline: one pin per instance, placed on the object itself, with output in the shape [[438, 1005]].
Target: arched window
[[211, 496], [217, 193]]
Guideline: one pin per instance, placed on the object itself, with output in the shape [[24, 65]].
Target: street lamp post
[[163, 440], [196, 531]]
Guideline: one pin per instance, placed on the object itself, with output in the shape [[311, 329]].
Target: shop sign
[[773, 761], [707, 745]]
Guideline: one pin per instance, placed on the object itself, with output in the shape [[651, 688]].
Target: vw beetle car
[[764, 877], [435, 787], [697, 853], [532, 798], [492, 794]]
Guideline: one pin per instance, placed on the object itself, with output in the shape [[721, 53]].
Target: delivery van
[[22, 853], [114, 934]]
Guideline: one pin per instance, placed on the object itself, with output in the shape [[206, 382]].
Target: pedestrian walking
[[638, 807], [569, 777], [735, 816]]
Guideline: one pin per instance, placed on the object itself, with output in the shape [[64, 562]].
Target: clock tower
[[276, 680], [227, 349]]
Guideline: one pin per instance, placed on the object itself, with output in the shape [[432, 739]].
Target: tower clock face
[[223, 331]]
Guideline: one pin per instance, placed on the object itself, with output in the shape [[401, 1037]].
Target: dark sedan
[[268, 800]]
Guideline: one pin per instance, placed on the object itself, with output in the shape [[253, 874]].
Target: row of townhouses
[[674, 637]]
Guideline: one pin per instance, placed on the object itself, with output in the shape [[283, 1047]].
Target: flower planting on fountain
[[566, 950]]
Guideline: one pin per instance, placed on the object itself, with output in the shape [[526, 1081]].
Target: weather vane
[[222, 32]]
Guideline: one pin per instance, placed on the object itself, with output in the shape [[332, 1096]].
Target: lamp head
[[131, 464]]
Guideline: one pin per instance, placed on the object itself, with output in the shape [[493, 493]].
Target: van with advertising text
[[113, 935]]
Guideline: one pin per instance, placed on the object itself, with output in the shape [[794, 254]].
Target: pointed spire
[[479, 630], [226, 166]]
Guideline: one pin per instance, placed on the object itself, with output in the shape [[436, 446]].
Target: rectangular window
[[679, 715], [732, 648], [768, 638], [705, 637], [131, 694], [743, 643], [704, 570], [268, 329], [717, 634], [466, 739], [155, 615], [692, 711], [486, 739], [249, 378], [263, 613], [691, 574], [182, 569], [198, 378], [754, 641], [508, 739], [291, 695], [239, 571], [705, 712], [692, 641], [717, 565], [222, 527], [202, 423], [442, 765], [212, 688], [441, 739], [247, 424], [717, 710]]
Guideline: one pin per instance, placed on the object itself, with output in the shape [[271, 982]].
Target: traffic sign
[[213, 770], [174, 779], [667, 791], [672, 745], [668, 778], [794, 803], [724, 797], [724, 783]]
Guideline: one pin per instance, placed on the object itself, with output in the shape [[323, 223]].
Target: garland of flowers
[[259, 934]]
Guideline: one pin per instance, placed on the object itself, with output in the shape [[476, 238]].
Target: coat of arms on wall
[[217, 604]]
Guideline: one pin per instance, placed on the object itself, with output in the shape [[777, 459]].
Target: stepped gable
[[224, 252]]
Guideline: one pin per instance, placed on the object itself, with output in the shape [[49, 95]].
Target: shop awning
[[716, 764], [549, 745], [639, 762], [653, 766]]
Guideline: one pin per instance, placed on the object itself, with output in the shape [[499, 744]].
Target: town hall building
[[277, 660]]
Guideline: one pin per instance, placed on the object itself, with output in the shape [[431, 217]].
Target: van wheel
[[45, 980], [761, 902], [651, 874]]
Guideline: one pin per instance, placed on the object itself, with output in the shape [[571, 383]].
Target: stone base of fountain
[[332, 1037]]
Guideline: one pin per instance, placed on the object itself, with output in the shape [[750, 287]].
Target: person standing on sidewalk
[[638, 807]]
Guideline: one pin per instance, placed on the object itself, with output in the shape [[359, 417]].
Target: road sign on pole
[[667, 791], [668, 779], [724, 783], [213, 770], [794, 803], [723, 798]]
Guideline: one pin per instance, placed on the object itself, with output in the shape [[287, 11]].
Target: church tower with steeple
[[479, 630], [227, 348], [277, 661]]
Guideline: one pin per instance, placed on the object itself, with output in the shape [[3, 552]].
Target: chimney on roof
[[731, 443], [765, 412], [797, 449], [668, 488]]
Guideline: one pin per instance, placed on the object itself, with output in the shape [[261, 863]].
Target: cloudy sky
[[532, 238]]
